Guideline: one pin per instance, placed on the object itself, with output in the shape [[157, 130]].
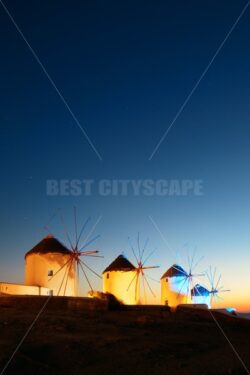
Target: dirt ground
[[72, 341]]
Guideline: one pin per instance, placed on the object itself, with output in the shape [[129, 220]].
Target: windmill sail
[[140, 281], [216, 288], [75, 264]]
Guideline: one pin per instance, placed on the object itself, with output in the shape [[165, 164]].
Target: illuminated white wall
[[174, 291], [202, 300], [117, 282], [37, 267], [23, 290]]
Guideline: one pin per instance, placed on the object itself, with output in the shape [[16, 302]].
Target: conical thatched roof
[[120, 264], [199, 290], [48, 244], [174, 271]]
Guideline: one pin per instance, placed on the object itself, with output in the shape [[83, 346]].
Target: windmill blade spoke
[[189, 262], [192, 260], [133, 251], [90, 269], [90, 233], [136, 285], [88, 252], [65, 273], [138, 245], [65, 231], [210, 281], [149, 287], [198, 262], [178, 259], [214, 275], [66, 283], [152, 279], [133, 278], [197, 289], [144, 289], [58, 292], [198, 274], [141, 267], [78, 279], [46, 227], [190, 286], [86, 277], [218, 282], [90, 241], [177, 269], [210, 277], [75, 220], [149, 256], [60, 269], [182, 284], [82, 230], [211, 295], [149, 267], [144, 248], [208, 273]]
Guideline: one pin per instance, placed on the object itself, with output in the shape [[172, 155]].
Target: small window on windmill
[[50, 273], [167, 280], [107, 275]]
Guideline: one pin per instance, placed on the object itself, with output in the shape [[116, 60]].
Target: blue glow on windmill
[[200, 295]]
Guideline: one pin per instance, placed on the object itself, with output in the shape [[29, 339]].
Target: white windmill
[[191, 276], [200, 295], [177, 283]]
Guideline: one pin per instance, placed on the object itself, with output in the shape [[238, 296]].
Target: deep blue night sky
[[125, 68]]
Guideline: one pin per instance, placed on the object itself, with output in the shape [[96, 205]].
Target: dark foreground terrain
[[76, 339]]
